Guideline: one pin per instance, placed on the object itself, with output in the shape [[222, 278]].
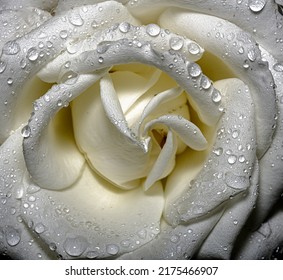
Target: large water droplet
[[216, 96], [236, 182], [32, 54], [75, 246], [11, 48], [102, 47], [153, 30], [76, 19], [39, 228], [26, 131], [124, 27], [194, 70], [12, 236], [256, 5], [205, 82], [176, 43], [112, 249], [193, 48]]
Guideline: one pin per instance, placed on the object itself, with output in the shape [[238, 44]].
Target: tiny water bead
[[3, 66], [32, 54], [256, 5]]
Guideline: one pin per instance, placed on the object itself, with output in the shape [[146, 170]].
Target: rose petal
[[225, 40], [238, 12], [31, 52], [221, 240], [225, 173], [15, 238], [92, 219], [54, 162], [187, 74], [102, 133], [271, 165]]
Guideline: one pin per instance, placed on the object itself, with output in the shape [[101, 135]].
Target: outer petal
[[47, 5], [15, 237], [92, 219], [227, 171], [241, 13], [238, 50]]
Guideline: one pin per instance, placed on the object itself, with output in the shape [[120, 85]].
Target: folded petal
[[228, 169], [240, 52], [92, 219]]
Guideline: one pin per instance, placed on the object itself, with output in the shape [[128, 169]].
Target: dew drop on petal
[[39, 228], [124, 27], [205, 82], [232, 159], [76, 19], [11, 48], [2, 66], [26, 131], [176, 43], [32, 54], [256, 5], [278, 67], [153, 30], [236, 182], [216, 96], [193, 48], [112, 249], [194, 70], [12, 236], [92, 255], [63, 34], [75, 246], [10, 81]]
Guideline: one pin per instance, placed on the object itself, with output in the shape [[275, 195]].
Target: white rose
[[141, 129]]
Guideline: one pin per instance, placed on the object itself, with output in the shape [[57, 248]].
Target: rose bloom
[[141, 129]]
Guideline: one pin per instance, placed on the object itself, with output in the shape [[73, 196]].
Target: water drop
[[278, 67], [235, 134], [26, 131], [218, 151], [10, 81], [52, 246], [216, 96], [252, 55], [112, 249], [241, 50], [194, 70], [59, 103], [63, 34], [236, 182], [75, 246], [76, 19], [205, 82], [153, 30], [92, 255], [39, 228], [100, 59], [32, 54], [194, 48], [124, 27], [174, 238], [142, 234], [102, 47], [235, 222], [11, 48], [69, 78], [256, 5], [176, 43], [23, 63], [12, 236], [3, 66], [232, 159]]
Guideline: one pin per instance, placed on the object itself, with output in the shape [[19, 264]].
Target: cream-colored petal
[[228, 169], [54, 162], [105, 138], [240, 51], [164, 163], [93, 219], [189, 133], [40, 4]]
